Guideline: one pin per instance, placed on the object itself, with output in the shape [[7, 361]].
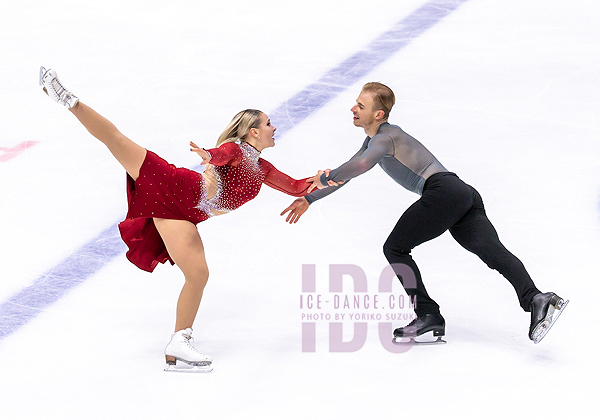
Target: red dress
[[233, 177]]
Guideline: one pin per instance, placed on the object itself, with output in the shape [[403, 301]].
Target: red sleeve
[[227, 153], [284, 183]]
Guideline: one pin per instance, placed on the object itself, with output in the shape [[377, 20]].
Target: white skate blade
[[412, 342], [42, 73], [541, 330], [422, 340], [189, 368]]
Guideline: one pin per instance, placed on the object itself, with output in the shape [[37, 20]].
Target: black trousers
[[447, 203]]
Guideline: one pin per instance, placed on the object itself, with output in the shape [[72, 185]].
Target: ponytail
[[240, 126]]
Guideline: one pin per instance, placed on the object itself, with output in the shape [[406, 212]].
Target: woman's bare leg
[[185, 247], [128, 153]]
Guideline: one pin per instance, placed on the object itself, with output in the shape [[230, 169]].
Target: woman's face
[[266, 133]]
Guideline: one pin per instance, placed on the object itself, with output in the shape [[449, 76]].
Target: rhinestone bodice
[[234, 176]]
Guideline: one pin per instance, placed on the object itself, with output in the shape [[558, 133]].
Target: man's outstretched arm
[[300, 205]]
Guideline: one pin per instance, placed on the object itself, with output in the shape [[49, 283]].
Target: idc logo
[[354, 308]]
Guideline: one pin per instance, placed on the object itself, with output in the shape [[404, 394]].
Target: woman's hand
[[316, 181], [203, 153]]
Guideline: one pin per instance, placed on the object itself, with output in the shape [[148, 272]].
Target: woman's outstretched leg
[[185, 247], [129, 154]]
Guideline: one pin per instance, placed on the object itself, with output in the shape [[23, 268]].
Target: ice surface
[[506, 94]]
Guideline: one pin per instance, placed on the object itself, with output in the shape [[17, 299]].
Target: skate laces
[[189, 340], [59, 88]]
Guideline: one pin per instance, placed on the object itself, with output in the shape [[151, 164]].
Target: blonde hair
[[240, 126], [383, 97]]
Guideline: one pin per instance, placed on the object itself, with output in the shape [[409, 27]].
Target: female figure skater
[[165, 203]]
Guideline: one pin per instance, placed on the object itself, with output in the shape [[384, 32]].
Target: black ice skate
[[544, 315], [419, 326]]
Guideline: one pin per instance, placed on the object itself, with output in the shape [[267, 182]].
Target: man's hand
[[296, 209], [332, 183]]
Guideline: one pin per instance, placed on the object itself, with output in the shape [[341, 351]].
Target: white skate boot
[[55, 89], [181, 349]]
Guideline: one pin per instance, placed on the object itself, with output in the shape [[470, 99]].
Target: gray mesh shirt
[[400, 155]]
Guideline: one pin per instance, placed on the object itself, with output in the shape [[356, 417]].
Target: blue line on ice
[[93, 256], [316, 95]]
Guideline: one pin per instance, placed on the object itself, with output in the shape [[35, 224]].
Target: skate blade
[[42, 73], [553, 313], [189, 368], [412, 342]]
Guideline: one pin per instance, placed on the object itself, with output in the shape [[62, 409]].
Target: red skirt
[[163, 191]]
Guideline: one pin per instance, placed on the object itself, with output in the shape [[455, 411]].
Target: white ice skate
[[182, 350], [55, 89]]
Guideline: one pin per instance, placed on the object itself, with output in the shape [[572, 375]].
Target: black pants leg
[[475, 233], [449, 203]]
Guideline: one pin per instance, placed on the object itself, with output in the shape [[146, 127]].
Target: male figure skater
[[446, 203]]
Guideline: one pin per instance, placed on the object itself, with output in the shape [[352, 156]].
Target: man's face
[[364, 115]]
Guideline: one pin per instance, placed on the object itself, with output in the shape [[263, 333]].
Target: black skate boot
[[422, 325], [544, 315]]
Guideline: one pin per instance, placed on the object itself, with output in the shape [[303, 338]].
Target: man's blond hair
[[383, 97]]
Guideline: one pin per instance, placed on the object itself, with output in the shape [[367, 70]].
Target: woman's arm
[[285, 183], [227, 153]]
